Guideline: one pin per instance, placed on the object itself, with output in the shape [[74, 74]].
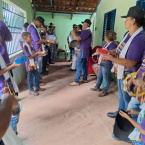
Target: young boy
[[31, 64]]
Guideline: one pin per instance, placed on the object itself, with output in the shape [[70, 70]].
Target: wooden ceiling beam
[[55, 2], [65, 11]]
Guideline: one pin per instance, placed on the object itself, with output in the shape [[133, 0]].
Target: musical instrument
[[73, 43], [139, 91], [101, 50]]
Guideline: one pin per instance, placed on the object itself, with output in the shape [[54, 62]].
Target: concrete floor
[[67, 115]]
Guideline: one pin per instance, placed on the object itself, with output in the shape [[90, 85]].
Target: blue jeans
[[104, 74], [82, 66], [124, 97], [135, 105], [33, 77]]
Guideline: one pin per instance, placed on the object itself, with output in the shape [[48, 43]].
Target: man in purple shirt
[[85, 44], [6, 36], [36, 40]]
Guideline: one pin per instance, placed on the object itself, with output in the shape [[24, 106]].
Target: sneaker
[[74, 84], [103, 94], [40, 89], [34, 93], [95, 89], [83, 81]]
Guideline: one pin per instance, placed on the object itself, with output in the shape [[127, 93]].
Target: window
[[109, 22], [141, 3], [14, 20]]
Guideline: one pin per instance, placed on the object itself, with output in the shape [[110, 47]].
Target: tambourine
[[139, 91], [101, 50]]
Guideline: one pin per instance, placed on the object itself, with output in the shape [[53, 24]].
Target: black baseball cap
[[88, 21], [80, 26], [136, 12], [40, 19]]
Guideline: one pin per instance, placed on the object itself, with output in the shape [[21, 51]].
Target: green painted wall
[[122, 7], [1, 12], [63, 25]]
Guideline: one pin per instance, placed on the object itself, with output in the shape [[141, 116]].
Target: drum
[[73, 43]]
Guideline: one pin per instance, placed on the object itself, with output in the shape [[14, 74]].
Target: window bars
[[14, 20]]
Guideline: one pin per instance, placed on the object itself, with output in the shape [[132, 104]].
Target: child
[[31, 64]]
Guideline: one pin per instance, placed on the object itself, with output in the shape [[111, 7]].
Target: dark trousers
[[71, 53], [49, 55], [44, 63]]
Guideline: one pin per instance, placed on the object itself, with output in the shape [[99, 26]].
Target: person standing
[[71, 49], [51, 53], [85, 44], [36, 40], [105, 65], [129, 57]]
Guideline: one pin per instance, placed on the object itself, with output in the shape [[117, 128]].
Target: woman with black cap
[[130, 53]]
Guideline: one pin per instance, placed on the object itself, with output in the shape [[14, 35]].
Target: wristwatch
[[48, 41]]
